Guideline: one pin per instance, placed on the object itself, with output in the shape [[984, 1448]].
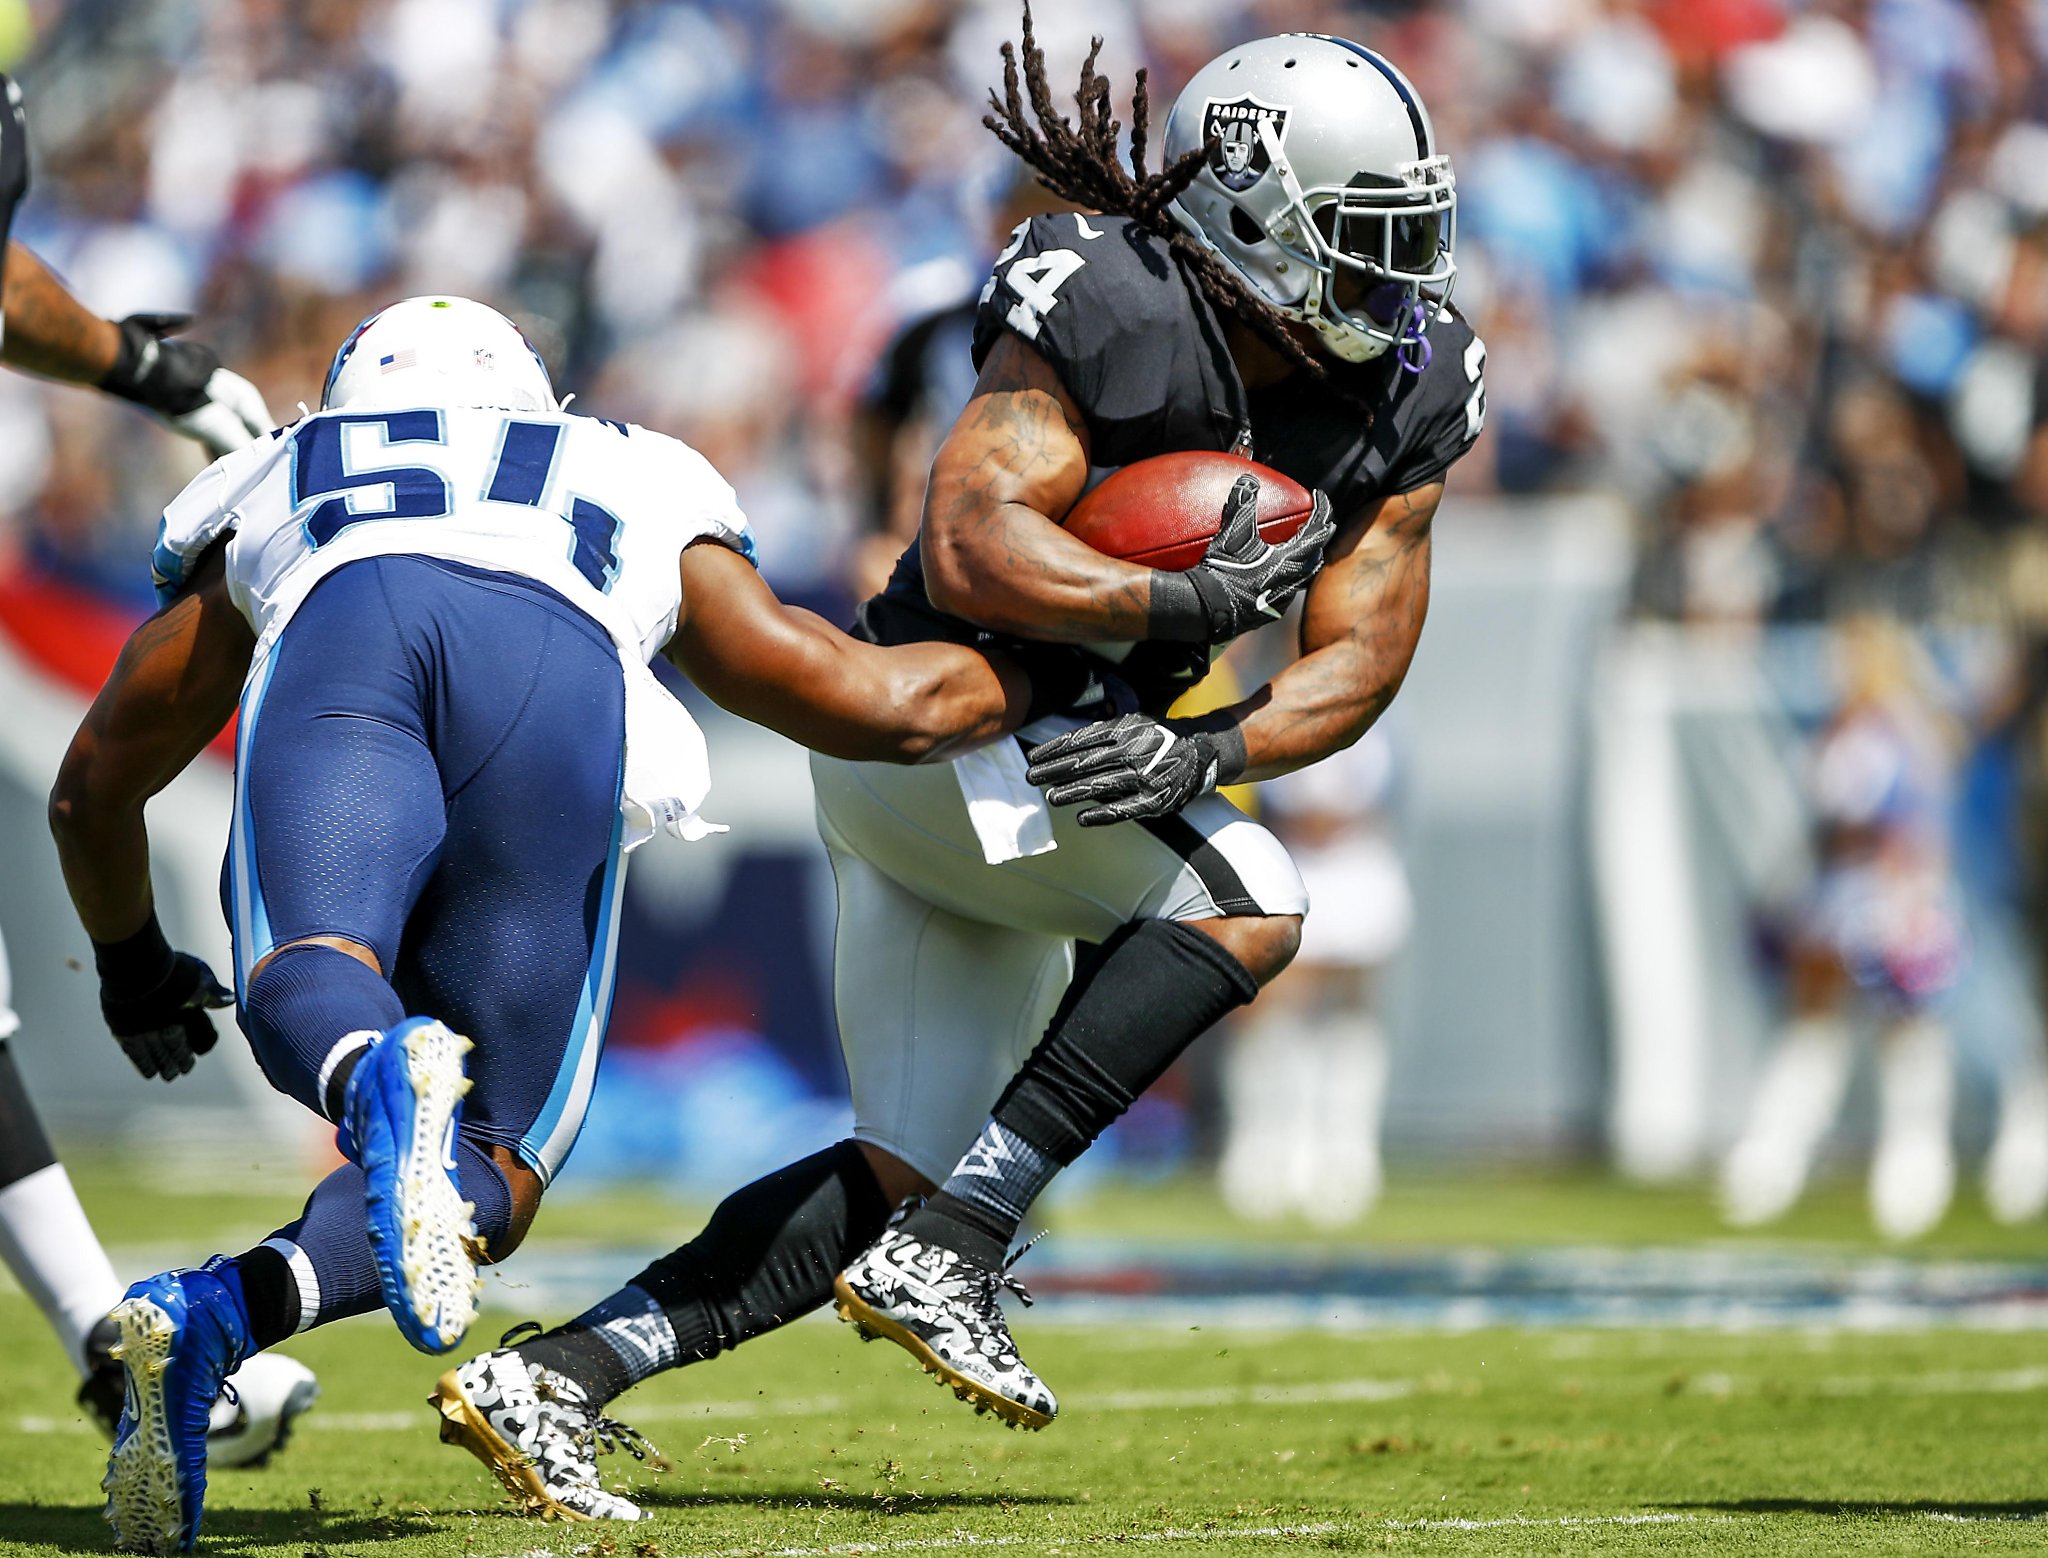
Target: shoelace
[[605, 1434], [1001, 1281]]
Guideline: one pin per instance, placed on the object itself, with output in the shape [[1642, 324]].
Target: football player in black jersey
[[1279, 289], [44, 1237]]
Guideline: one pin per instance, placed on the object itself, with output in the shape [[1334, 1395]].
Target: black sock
[[337, 1083], [271, 1295], [767, 1256], [1151, 990]]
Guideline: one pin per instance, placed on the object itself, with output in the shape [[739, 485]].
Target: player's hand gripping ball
[[163, 1029], [1247, 537]]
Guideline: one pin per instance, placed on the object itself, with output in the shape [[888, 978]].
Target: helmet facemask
[[1377, 254]]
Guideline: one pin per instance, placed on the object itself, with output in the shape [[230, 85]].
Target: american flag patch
[[404, 357]]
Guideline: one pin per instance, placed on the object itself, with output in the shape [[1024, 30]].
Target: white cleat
[[253, 1417]]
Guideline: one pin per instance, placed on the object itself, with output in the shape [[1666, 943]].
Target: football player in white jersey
[[44, 1237], [434, 601]]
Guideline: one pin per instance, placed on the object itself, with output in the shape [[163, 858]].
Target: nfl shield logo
[[1238, 157]]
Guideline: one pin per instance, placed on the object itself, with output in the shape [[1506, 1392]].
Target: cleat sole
[[141, 1483], [463, 1425], [438, 1245], [873, 1324]]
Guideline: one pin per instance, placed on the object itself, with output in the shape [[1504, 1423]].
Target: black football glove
[[1243, 580], [184, 383], [156, 1002], [1134, 766]]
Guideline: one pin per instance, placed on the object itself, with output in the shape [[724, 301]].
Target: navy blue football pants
[[429, 765]]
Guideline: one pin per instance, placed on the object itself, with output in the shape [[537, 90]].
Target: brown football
[[1163, 512]]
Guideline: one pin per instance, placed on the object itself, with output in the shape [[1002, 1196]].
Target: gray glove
[[1134, 766], [1243, 580]]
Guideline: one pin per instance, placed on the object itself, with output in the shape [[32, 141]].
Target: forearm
[[48, 330], [1361, 622], [1320, 704], [104, 851], [1011, 570], [795, 673]]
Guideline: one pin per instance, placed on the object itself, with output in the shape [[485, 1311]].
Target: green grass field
[[1171, 1438]]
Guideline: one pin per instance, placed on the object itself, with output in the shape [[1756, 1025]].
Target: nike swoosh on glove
[[1134, 766], [184, 384], [1243, 579], [163, 1029]]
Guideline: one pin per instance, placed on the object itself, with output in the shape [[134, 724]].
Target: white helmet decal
[[1240, 158]]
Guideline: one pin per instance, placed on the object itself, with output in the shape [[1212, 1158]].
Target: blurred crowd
[[1774, 270]]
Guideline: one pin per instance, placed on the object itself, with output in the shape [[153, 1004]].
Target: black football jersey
[[1142, 353]]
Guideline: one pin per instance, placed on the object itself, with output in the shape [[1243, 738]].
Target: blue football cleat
[[400, 1114], [181, 1334]]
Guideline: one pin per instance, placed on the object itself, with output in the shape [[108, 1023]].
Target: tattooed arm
[[1361, 621], [48, 330], [994, 552]]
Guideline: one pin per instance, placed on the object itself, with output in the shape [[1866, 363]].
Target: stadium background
[[1764, 289]]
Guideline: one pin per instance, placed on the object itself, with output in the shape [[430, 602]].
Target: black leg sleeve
[[24, 1147], [767, 1256], [1151, 990]]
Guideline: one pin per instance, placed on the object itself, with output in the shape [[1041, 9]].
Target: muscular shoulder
[[1099, 297]]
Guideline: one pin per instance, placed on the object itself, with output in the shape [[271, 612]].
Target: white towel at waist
[[1009, 812], [668, 769]]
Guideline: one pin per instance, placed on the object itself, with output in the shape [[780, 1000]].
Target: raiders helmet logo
[[1238, 156]]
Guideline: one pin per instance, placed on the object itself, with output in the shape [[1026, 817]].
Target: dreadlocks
[[1079, 164]]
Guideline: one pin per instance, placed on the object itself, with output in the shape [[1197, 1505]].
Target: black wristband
[[1177, 614], [1232, 758], [137, 964]]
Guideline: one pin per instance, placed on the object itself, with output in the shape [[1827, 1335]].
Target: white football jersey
[[598, 511]]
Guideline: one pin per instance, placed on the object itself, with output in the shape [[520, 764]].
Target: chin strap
[[1412, 348]]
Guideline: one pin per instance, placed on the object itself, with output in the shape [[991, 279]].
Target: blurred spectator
[[1879, 936], [1305, 1078]]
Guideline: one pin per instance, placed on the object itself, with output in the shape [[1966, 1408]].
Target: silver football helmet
[[1323, 187]]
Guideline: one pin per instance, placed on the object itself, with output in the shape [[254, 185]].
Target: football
[[1163, 512]]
